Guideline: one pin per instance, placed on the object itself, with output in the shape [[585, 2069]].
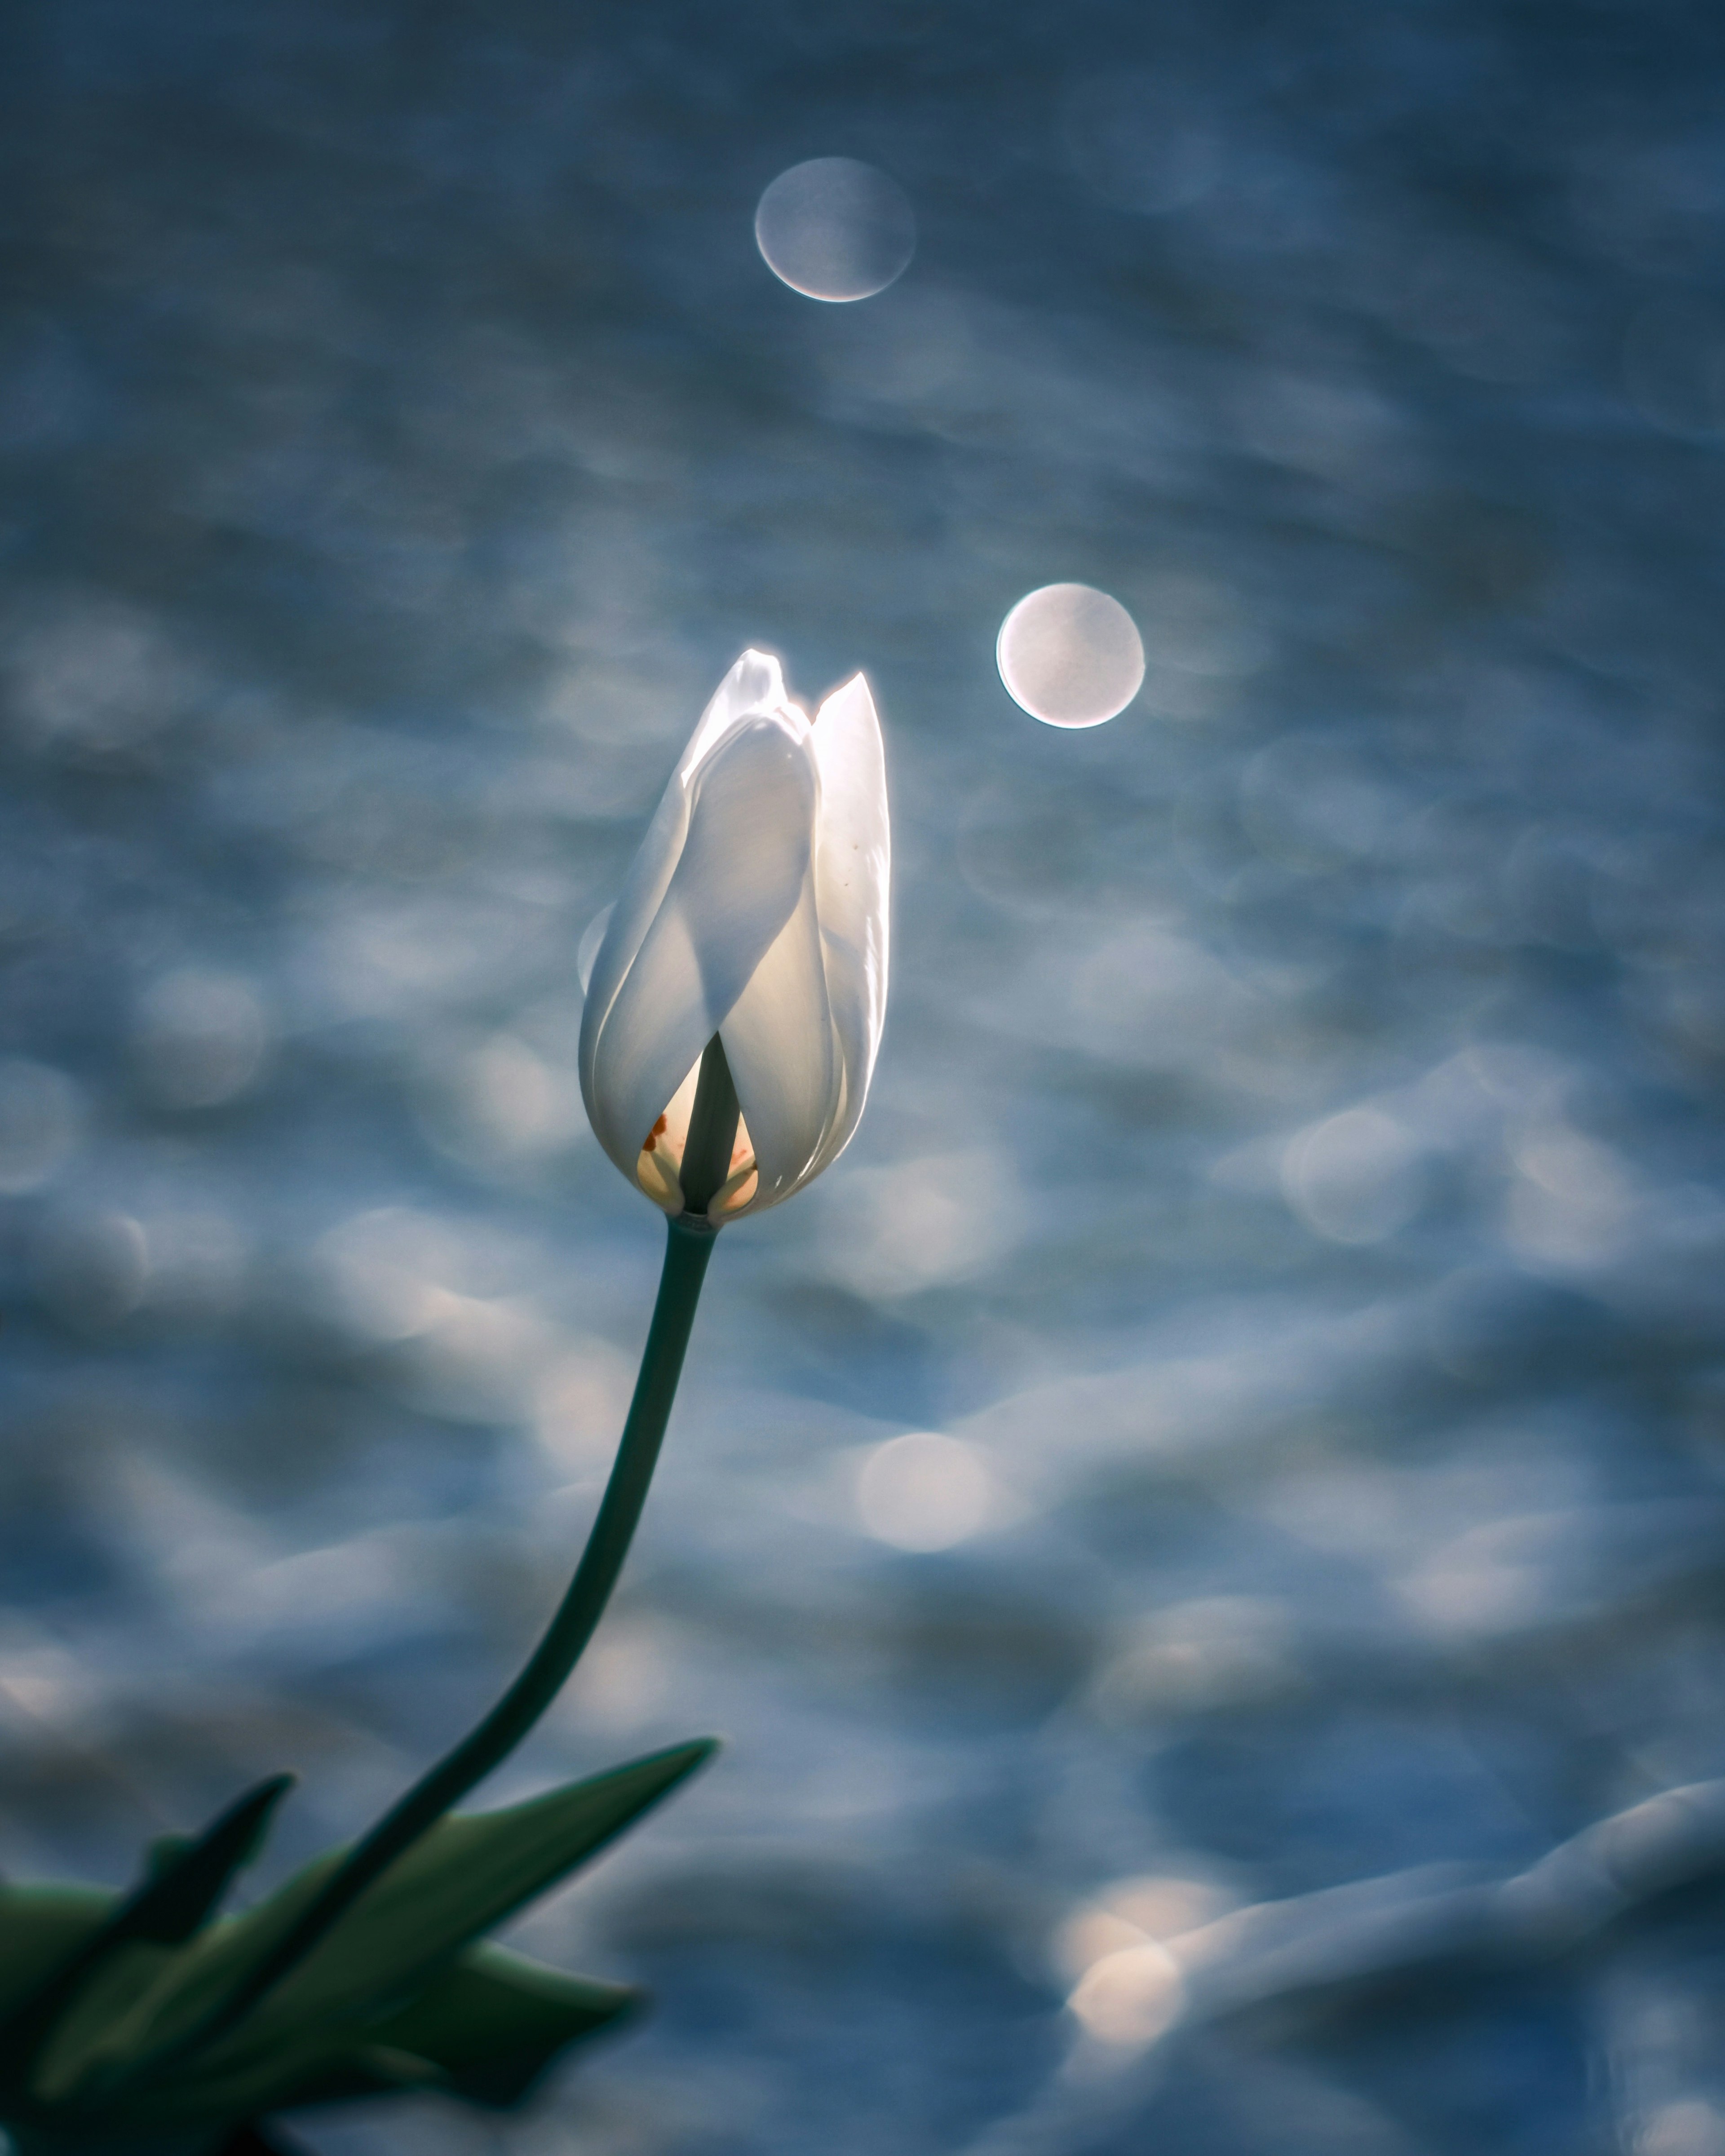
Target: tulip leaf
[[325, 2067], [103, 1996], [186, 1878], [41, 1929], [252, 2140], [493, 2021], [115, 1961], [484, 2027], [467, 1873]]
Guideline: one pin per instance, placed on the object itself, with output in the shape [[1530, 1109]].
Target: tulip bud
[[754, 915]]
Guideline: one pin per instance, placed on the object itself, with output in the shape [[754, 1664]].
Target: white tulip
[[756, 910]]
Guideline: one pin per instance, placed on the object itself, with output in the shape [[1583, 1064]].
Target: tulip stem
[[689, 1245], [712, 1130]]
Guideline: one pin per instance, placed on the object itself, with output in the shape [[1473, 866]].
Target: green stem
[[689, 1245], [712, 1130]]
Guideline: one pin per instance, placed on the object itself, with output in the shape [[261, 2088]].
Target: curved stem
[[688, 1247]]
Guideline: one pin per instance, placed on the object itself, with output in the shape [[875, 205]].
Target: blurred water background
[[1236, 1450]]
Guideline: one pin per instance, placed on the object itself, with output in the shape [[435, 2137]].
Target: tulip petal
[[853, 866], [592, 940], [754, 684], [779, 1042], [741, 870]]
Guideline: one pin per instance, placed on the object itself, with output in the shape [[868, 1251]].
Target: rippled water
[[1292, 1191]]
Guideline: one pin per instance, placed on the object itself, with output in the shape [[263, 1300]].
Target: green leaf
[[484, 2028], [322, 2068], [494, 2022], [161, 1855], [67, 2019], [41, 1928], [252, 2140], [465, 1875], [183, 1884], [112, 1964]]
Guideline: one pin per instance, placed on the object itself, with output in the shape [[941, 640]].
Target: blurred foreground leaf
[[185, 1877], [483, 2027], [251, 2140], [41, 1928], [387, 2000], [493, 2021]]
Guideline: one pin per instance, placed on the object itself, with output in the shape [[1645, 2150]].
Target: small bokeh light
[[1129, 1997], [924, 1491]]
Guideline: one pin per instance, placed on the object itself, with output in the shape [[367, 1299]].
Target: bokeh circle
[[1070, 655], [835, 229]]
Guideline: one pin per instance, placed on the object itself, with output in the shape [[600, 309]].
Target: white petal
[[740, 873], [755, 684], [588, 949], [779, 1042], [853, 868], [644, 889]]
